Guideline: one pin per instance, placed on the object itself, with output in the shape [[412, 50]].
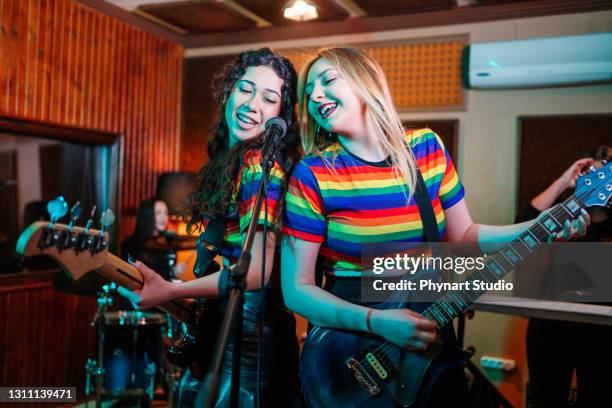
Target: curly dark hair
[[212, 197]]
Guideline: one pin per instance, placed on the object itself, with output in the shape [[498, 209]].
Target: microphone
[[275, 131]]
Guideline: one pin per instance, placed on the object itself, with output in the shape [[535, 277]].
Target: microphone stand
[[234, 288]]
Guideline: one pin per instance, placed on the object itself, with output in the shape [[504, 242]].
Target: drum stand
[[172, 373], [93, 369], [173, 377]]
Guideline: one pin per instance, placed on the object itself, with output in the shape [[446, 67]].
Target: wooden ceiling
[[203, 23], [192, 17], [198, 17]]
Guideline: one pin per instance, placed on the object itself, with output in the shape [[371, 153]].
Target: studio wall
[[64, 63]]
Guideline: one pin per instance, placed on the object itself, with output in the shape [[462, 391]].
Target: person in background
[[555, 349], [150, 241]]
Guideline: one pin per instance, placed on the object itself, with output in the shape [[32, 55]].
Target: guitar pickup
[[363, 377]]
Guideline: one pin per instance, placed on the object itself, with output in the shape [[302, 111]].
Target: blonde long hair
[[367, 80]]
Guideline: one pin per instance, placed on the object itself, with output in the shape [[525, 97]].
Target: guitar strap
[[428, 217], [209, 245]]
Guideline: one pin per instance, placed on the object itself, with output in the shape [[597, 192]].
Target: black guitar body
[[198, 344], [341, 368]]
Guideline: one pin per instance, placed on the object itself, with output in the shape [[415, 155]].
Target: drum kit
[[132, 347], [131, 356]]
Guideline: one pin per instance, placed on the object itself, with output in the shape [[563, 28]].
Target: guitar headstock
[[595, 187], [76, 249]]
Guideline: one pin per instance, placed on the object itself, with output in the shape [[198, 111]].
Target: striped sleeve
[[304, 216], [436, 165], [249, 178], [451, 189]]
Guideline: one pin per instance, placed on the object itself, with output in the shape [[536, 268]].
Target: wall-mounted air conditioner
[[538, 62]]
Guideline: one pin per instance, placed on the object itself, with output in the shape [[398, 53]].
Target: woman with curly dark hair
[[256, 87]]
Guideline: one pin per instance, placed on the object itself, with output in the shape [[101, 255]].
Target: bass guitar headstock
[[77, 250]]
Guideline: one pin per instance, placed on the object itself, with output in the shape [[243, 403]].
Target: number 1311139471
[[37, 394]]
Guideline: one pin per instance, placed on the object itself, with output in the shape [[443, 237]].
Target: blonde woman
[[354, 186]]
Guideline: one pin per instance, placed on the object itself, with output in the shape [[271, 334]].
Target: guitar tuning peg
[[106, 219], [56, 208], [75, 214], [90, 220]]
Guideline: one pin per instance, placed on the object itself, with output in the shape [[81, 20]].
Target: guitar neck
[[124, 274], [454, 304]]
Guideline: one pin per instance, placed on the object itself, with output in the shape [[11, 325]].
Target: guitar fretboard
[[454, 304]]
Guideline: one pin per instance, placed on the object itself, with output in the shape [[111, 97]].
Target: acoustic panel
[[421, 76], [550, 144]]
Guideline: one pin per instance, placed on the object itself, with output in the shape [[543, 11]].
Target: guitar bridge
[[363, 377]]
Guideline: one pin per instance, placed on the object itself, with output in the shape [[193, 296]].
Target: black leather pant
[[279, 381]]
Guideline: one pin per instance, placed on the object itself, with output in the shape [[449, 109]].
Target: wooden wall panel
[[45, 336], [65, 63]]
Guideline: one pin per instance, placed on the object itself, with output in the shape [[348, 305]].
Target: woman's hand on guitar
[[155, 290], [569, 176], [573, 229], [404, 328]]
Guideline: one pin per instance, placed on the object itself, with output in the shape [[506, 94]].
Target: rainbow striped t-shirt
[[246, 185], [360, 202]]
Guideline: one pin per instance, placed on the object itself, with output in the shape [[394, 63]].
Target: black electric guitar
[[347, 369], [198, 343]]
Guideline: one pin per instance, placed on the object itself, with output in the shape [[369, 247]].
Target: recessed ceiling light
[[300, 10]]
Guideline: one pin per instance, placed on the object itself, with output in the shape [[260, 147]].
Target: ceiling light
[[300, 10]]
